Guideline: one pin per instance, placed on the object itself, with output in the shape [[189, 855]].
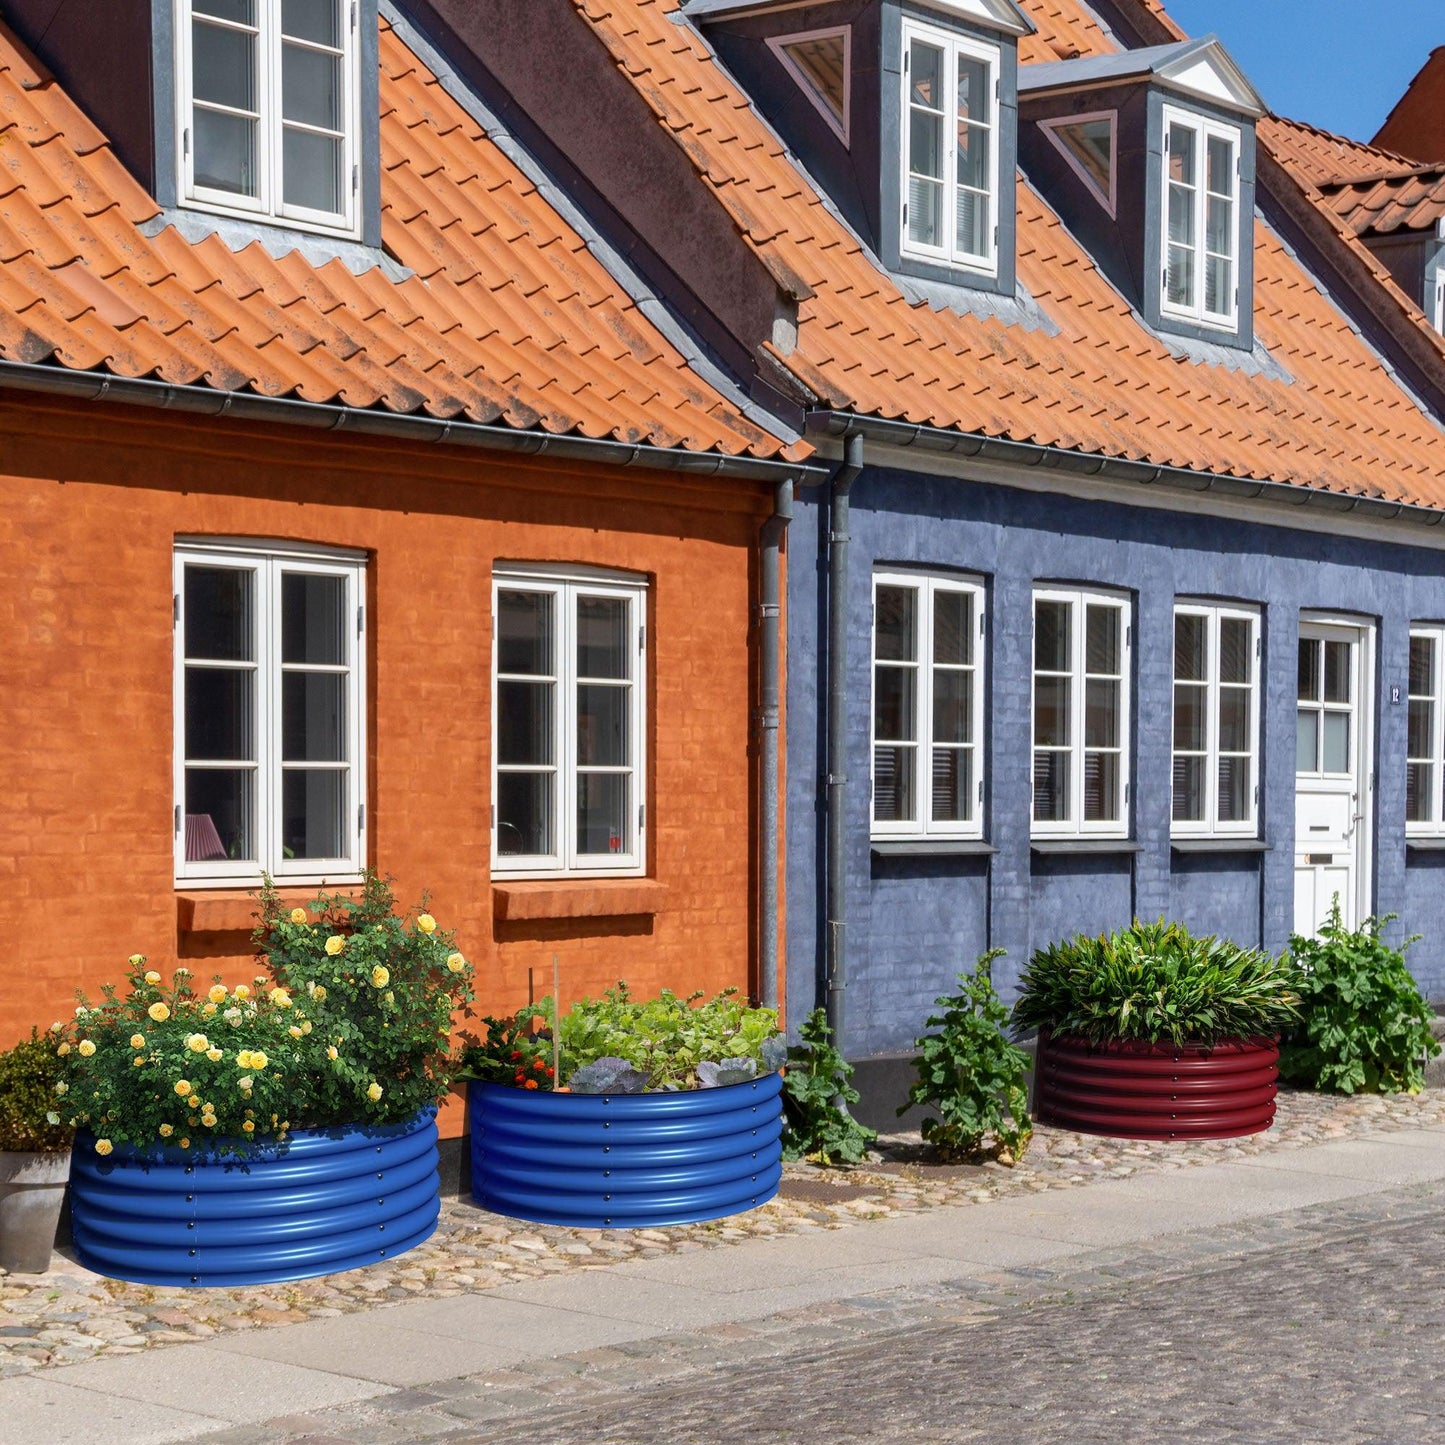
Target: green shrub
[[816, 1092], [970, 1073], [1363, 1024], [1155, 981], [29, 1072]]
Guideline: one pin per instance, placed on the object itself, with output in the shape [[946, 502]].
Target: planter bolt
[[195, 1279], [190, 1224], [191, 1252], [190, 1199]]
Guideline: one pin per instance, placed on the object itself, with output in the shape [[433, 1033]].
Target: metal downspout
[[835, 889], [769, 709]]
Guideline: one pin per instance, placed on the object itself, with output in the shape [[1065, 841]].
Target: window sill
[[577, 898], [1425, 845], [1064, 847], [931, 847], [234, 910], [1218, 845]]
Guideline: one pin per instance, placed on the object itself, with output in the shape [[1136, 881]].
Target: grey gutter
[[331, 416], [769, 710], [1090, 464]]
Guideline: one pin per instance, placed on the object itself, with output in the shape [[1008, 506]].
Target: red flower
[[538, 1064], [549, 1073], [531, 1083], [516, 1054]]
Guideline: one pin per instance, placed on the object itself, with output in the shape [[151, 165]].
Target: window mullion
[[1077, 630], [924, 662], [1437, 727], [1214, 693]]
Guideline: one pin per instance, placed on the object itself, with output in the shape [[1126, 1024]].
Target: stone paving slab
[[45, 1410]]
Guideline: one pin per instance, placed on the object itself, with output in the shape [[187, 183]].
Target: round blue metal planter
[[325, 1201], [602, 1161]]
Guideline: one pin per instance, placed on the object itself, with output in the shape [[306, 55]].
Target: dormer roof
[[1202, 69], [1002, 15]]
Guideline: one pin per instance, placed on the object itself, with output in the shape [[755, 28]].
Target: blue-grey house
[[1126, 595]]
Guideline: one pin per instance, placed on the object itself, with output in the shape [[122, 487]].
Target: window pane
[[925, 211], [1218, 285], [1188, 790], [602, 731], [1102, 639], [312, 804], [1234, 720], [1191, 646], [952, 627], [1051, 711], [1337, 742], [974, 91], [311, 87], [925, 153], [315, 20], [894, 708], [602, 813], [1418, 793], [603, 633], [1235, 786], [1051, 636], [1051, 787], [925, 69], [1101, 787], [223, 66], [1221, 166], [525, 727], [952, 707], [1101, 714], [225, 153], [1337, 672], [1236, 649], [314, 618], [821, 59], [220, 714], [1422, 666], [952, 785], [313, 718], [1307, 742], [220, 806], [894, 627], [972, 224], [1190, 709], [1179, 276], [1421, 727], [1181, 154], [243, 12], [893, 790], [219, 624], [311, 170], [524, 632], [524, 813], [1219, 227], [1309, 670]]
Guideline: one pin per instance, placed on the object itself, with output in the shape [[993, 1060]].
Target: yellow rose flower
[[305, 1026], [103, 1146], [136, 959], [298, 915], [245, 1093], [243, 1059], [280, 998], [331, 1051], [217, 993], [64, 1049], [426, 923], [373, 1092], [137, 1062], [184, 1143], [248, 1127], [209, 1120], [62, 1087], [86, 1048], [166, 1131], [197, 1043], [294, 1031], [214, 1055], [320, 994], [209, 1009], [244, 1083], [152, 976], [159, 1012], [380, 977], [258, 1059], [243, 990], [456, 962], [137, 1041], [335, 944], [183, 1087]]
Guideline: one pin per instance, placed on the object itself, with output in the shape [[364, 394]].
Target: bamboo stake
[[556, 1022]]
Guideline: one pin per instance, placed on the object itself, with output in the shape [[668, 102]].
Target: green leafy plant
[[1156, 981], [816, 1092], [1363, 1023], [29, 1072], [618, 1044], [970, 1073], [350, 1022]]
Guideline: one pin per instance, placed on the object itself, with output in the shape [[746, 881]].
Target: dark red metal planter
[[1156, 1091]]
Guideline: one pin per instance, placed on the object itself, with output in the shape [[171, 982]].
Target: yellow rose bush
[[315, 1042]]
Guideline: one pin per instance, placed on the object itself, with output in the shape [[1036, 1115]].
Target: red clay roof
[[1416, 126], [1103, 383], [506, 319]]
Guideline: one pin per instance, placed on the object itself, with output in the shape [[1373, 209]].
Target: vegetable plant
[[972, 1075], [1363, 1024], [1156, 981], [816, 1092]]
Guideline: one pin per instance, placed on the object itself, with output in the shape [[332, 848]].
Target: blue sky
[[1339, 64]]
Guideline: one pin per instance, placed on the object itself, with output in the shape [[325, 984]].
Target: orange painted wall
[[91, 501]]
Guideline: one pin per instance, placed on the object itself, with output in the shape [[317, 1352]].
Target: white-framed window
[[267, 109], [950, 148], [928, 683], [1216, 721], [1438, 310], [1425, 746], [569, 719], [1200, 271], [820, 61], [270, 724], [1082, 643]]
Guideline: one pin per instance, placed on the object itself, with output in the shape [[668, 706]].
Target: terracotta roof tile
[[504, 314], [1103, 384]]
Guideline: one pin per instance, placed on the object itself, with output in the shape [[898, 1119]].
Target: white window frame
[[952, 46], [1210, 826], [1438, 311], [1204, 129], [1075, 825], [1432, 826], [566, 585], [927, 586], [268, 565], [268, 202], [779, 44]]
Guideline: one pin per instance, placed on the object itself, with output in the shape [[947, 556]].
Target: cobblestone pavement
[[1322, 1325], [70, 1315]]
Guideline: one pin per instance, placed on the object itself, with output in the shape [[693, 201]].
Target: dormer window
[[1201, 206], [950, 140], [267, 108], [821, 62]]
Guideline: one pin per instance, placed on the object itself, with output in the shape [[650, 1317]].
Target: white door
[[1331, 775]]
